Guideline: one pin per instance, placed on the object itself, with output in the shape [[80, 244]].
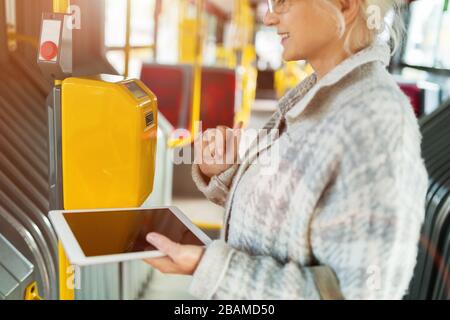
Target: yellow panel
[[108, 148], [32, 293], [61, 6]]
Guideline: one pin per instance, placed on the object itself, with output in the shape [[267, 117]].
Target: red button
[[49, 50]]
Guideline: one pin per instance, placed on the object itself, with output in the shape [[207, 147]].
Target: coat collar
[[298, 99]]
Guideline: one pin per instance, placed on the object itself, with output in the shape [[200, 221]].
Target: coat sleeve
[[227, 273], [217, 189]]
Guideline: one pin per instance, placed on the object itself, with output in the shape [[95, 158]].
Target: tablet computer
[[92, 237]]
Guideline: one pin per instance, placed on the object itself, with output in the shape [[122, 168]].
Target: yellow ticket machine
[[102, 136], [109, 130], [102, 148]]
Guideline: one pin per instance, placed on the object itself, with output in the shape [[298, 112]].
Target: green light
[[446, 5]]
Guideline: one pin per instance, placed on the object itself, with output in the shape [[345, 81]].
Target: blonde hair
[[371, 24]]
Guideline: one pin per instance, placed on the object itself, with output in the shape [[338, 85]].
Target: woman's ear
[[350, 9]]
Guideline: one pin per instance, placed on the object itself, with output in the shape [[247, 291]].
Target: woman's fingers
[[207, 155], [212, 149], [213, 146], [232, 137], [181, 259], [164, 264], [163, 244], [220, 140], [229, 140], [203, 148], [166, 246], [219, 146]]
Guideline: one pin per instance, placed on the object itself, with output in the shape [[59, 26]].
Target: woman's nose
[[271, 19]]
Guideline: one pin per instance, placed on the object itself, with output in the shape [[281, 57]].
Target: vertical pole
[[127, 39], [197, 88], [65, 292], [182, 7], [61, 6], [237, 51]]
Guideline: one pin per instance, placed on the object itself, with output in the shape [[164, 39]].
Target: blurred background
[[164, 43]]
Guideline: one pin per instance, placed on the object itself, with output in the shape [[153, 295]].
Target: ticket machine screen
[[137, 92]]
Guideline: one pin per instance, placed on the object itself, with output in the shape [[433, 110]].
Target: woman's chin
[[291, 57], [288, 55]]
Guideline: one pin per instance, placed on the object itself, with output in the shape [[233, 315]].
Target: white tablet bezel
[[76, 255]]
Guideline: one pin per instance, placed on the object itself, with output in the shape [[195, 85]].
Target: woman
[[340, 217]]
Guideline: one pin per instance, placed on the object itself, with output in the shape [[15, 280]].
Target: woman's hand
[[218, 150], [181, 259]]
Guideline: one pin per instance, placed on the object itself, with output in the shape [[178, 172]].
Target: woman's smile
[[284, 37]]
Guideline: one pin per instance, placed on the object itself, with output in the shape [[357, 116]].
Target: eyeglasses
[[278, 6]]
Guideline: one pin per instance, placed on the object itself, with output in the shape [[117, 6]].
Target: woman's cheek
[[296, 48]]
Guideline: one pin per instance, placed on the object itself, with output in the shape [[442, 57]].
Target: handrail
[[61, 6], [175, 142], [243, 21]]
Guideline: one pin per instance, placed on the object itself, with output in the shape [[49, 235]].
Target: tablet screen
[[116, 232]]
